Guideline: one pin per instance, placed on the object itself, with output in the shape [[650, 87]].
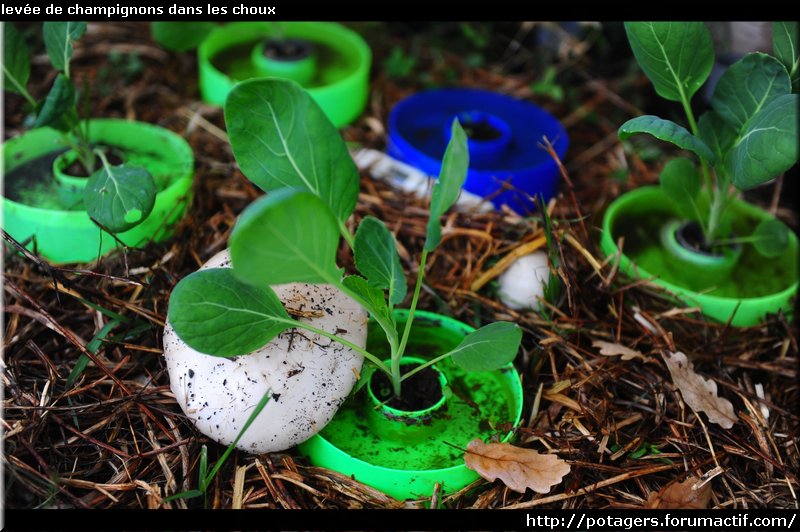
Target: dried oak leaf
[[678, 495], [611, 349], [699, 393], [518, 468]]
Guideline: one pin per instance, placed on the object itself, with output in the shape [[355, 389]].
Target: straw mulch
[[115, 438]]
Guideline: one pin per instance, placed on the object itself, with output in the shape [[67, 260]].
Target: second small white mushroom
[[308, 376], [522, 284]]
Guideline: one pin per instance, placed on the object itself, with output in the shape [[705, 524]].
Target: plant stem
[[79, 146], [396, 379], [739, 240], [719, 200], [348, 236], [363, 352], [687, 108], [388, 326], [103, 160], [776, 196], [85, 151], [713, 218]]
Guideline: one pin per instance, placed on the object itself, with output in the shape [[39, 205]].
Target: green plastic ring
[[717, 304], [343, 59], [68, 236], [397, 456]]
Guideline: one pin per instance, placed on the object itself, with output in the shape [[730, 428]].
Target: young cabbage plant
[[285, 144], [748, 137], [117, 197]]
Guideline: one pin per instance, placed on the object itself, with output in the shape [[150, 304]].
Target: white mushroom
[[310, 376], [522, 284]]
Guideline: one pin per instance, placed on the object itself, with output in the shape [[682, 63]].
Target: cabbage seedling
[[117, 197], [748, 137], [284, 143]]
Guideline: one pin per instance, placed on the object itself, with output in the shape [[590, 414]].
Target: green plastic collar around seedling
[[70, 190], [413, 422], [366, 462], [340, 87], [746, 311], [710, 268], [748, 137], [416, 414], [69, 236]]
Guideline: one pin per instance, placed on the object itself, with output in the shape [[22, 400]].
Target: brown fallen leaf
[[678, 495], [518, 468], [611, 349], [699, 393]]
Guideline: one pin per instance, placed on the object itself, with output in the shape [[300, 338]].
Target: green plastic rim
[[65, 236], [395, 456], [709, 268], [343, 61], [414, 416], [721, 302], [71, 187]]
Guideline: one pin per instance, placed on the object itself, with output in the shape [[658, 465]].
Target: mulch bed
[[116, 438]]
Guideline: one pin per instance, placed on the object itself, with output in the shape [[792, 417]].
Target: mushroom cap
[[522, 284], [308, 376]]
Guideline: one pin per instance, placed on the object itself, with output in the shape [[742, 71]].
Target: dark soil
[[690, 235], [288, 49], [419, 392], [480, 130]]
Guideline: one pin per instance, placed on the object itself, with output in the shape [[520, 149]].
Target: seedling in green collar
[[284, 143], [117, 197], [748, 137]]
